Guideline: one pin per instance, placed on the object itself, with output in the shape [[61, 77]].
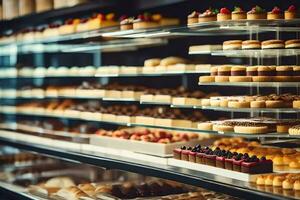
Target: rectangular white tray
[[157, 149], [214, 170]]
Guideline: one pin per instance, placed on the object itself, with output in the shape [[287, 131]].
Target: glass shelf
[[252, 110], [108, 46], [254, 84], [206, 180], [216, 133]]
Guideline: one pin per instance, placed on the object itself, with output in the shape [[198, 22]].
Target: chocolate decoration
[[223, 73], [251, 73], [238, 73], [266, 73]]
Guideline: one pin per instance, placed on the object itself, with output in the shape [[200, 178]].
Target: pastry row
[[19, 157], [94, 22], [281, 157], [149, 189], [250, 126], [257, 101], [224, 14], [13, 8], [224, 159], [255, 44], [93, 110], [286, 181], [227, 73]]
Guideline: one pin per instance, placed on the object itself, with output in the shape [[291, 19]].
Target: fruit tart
[[192, 18], [291, 13], [224, 15], [256, 13], [126, 23], [208, 15], [145, 21], [238, 13], [275, 13]]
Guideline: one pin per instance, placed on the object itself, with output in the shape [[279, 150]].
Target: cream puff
[[275, 14], [224, 15], [238, 13], [256, 13]]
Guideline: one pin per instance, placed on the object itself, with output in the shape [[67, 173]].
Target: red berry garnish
[[141, 17], [276, 10], [292, 8], [224, 11]]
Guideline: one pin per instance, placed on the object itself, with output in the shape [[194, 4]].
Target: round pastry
[[251, 129], [126, 23], [251, 71], [238, 71], [214, 71], [224, 15], [172, 60], [296, 185], [251, 44], [208, 126], [282, 128], [262, 79], [275, 104], [272, 44], [238, 14], [296, 104], [224, 70], [294, 164], [232, 44], [295, 43], [207, 16], [256, 13], [192, 18], [240, 79], [152, 62], [145, 21], [288, 184], [221, 78], [275, 14], [258, 104], [206, 79], [287, 159], [260, 180], [295, 130], [278, 160], [269, 180], [277, 181], [266, 71], [238, 104], [291, 13], [224, 103], [222, 128]]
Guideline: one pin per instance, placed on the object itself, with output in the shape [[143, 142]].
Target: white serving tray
[[214, 170], [150, 148]]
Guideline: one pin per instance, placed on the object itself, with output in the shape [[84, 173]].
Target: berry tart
[[208, 15], [192, 18], [126, 23], [51, 31], [69, 26], [224, 15], [291, 13], [238, 13], [145, 21], [275, 14], [256, 13]]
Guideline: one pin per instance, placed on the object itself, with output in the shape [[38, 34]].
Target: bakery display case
[[150, 100]]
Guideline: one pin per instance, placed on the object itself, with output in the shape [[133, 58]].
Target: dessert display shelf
[[105, 46], [257, 53], [253, 84], [207, 180], [252, 110], [13, 111]]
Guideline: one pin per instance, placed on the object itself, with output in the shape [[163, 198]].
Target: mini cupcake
[[238, 13], [256, 13], [291, 13], [224, 15]]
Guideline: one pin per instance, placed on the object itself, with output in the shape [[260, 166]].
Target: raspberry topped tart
[[193, 18], [208, 15], [224, 15], [275, 14], [291, 13], [256, 13], [238, 13]]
